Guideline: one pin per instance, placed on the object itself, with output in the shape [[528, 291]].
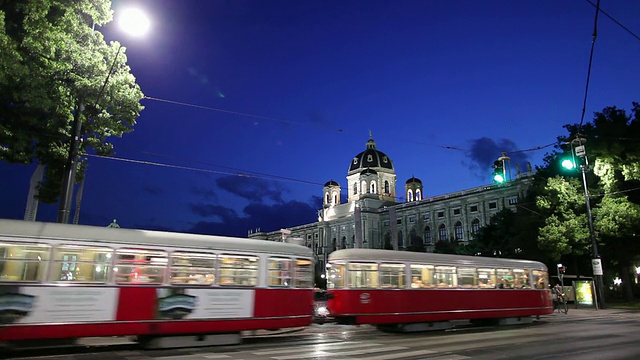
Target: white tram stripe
[[399, 355], [317, 347]]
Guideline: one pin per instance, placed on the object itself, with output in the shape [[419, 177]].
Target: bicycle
[[560, 303]]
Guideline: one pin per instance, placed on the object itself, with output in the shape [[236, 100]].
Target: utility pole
[[66, 194], [596, 262]]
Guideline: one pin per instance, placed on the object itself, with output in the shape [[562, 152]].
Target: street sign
[[596, 264]]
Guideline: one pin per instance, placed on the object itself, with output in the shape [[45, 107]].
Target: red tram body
[[395, 287], [61, 281]]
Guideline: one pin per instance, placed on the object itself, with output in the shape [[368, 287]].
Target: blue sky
[[444, 86]]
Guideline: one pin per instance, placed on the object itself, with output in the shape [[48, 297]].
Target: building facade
[[371, 217]]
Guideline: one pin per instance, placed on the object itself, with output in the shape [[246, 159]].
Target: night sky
[[254, 105]]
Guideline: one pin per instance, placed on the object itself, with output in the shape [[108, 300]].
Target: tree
[[618, 226], [565, 230], [445, 247], [53, 63]]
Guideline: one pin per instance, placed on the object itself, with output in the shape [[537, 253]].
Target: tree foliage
[[52, 61], [565, 230]]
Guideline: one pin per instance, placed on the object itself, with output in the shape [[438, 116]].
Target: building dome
[[370, 158], [331, 183], [369, 172], [414, 180]]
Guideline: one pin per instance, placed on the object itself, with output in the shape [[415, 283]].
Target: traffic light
[[568, 162], [498, 172], [561, 269]]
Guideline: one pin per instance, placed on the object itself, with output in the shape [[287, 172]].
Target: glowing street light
[[134, 22]]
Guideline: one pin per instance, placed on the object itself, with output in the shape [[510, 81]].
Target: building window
[[385, 223], [373, 187], [513, 200], [409, 195], [427, 235], [412, 218], [473, 208], [327, 198], [399, 221], [386, 187], [458, 230], [475, 226], [418, 195], [425, 216], [440, 214], [456, 211], [442, 233], [355, 189], [493, 205]]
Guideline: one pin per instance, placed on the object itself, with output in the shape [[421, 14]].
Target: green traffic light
[[498, 178], [568, 164]]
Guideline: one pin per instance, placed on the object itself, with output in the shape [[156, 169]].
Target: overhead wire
[[614, 20], [593, 44]]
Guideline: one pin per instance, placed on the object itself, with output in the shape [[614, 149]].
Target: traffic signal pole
[[596, 262]]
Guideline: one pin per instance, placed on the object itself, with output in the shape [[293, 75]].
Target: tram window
[[279, 273], [487, 278], [521, 279], [336, 276], [392, 275], [303, 273], [446, 276], [422, 276], [81, 263], [140, 266], [540, 279], [23, 262], [505, 278], [192, 269], [467, 278], [363, 275], [238, 270]]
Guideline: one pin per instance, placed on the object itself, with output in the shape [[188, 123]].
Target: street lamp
[[133, 22], [577, 146]]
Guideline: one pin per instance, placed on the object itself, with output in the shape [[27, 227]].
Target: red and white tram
[[60, 281], [384, 287]]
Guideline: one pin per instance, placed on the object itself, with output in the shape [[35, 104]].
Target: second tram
[[384, 287]]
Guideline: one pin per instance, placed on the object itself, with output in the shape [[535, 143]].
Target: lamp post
[[596, 262], [133, 22]]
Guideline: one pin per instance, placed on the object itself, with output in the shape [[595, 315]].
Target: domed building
[[371, 174], [373, 218]]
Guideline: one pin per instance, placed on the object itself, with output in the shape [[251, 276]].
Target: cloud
[[257, 215], [484, 151], [266, 208], [252, 189]]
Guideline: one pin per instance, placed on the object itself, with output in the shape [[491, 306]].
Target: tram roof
[[376, 255], [39, 231]]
